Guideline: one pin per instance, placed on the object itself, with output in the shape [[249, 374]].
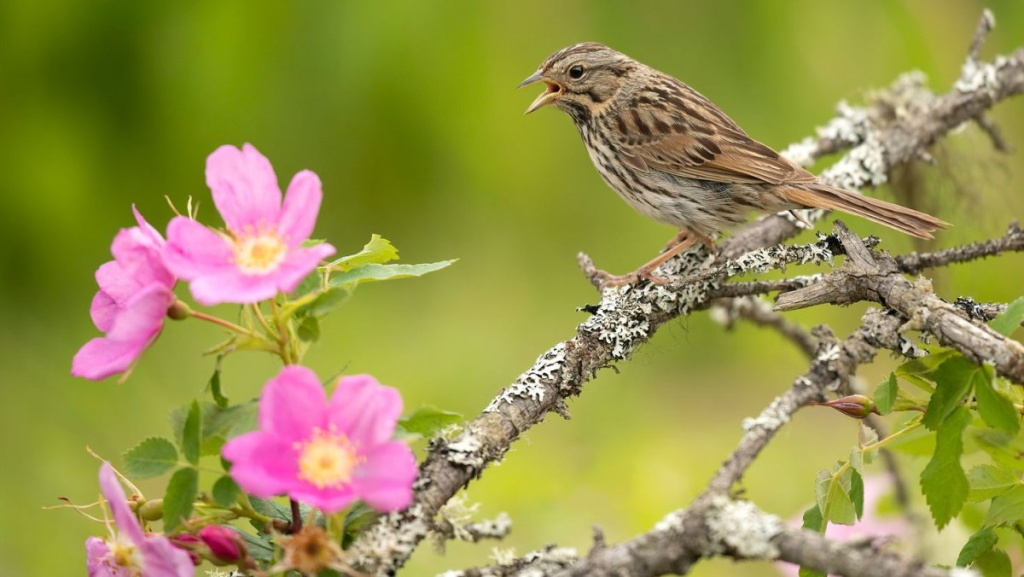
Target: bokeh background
[[408, 112]]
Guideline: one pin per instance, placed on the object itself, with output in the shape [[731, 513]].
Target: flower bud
[[178, 311], [856, 406], [224, 544], [152, 510]]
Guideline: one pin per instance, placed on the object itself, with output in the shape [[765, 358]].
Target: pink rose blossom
[[263, 252], [130, 552], [135, 291], [327, 453]]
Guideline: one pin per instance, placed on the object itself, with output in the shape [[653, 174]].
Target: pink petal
[[118, 283], [102, 357], [103, 310], [327, 499], [298, 264], [140, 257], [244, 187], [125, 520], [147, 229], [301, 207], [385, 480], [193, 250], [262, 464], [96, 555], [293, 404], [143, 315], [162, 559], [365, 410], [232, 286]]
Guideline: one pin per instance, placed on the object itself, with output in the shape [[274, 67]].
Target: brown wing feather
[[685, 134]]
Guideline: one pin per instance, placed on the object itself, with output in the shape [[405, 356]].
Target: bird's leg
[[682, 241]]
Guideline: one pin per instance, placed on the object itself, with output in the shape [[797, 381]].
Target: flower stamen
[[259, 251], [327, 459]]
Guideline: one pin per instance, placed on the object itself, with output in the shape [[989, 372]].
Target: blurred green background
[[408, 112]]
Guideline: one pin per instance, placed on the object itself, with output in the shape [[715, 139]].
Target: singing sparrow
[[673, 155]]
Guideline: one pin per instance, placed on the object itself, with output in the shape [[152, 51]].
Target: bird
[[676, 157]]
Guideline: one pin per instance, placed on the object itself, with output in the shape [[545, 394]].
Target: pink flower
[[263, 253], [327, 453], [131, 553], [224, 543], [135, 291]]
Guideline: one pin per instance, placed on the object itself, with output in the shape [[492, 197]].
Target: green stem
[[221, 322]]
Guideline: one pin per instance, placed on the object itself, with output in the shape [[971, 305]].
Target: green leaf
[[218, 425], [225, 491], [323, 304], [379, 272], [356, 519], [805, 572], [1004, 448], [378, 250], [924, 366], [977, 545], [885, 394], [943, 481], [1007, 508], [995, 409], [813, 521], [150, 458], [831, 492], [987, 481], [1009, 320], [426, 421], [309, 330], [214, 386], [180, 497], [259, 546], [866, 436], [994, 563], [953, 379], [191, 435], [857, 493]]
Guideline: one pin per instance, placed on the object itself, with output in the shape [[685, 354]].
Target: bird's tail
[[894, 216]]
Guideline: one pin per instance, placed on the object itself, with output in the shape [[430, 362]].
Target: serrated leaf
[[953, 379], [191, 434], [995, 409], [857, 493], [994, 563], [225, 491], [1009, 320], [831, 493], [380, 272], [259, 546], [426, 421], [180, 497], [885, 394], [150, 458], [379, 250], [976, 546], [1007, 508], [943, 481], [987, 481]]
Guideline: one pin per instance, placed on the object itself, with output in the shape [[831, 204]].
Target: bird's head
[[581, 79]]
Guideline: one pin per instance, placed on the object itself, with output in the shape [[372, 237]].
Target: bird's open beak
[[554, 90]]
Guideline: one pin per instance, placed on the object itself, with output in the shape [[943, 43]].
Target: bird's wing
[[675, 129]]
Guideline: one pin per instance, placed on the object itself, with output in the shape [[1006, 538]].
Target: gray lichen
[[739, 526]]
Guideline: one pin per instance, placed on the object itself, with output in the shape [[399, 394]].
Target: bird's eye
[[576, 72]]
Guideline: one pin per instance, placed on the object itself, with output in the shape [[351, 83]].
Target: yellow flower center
[[259, 251], [124, 554], [327, 459]]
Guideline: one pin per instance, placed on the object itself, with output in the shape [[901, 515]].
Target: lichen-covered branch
[[628, 316], [871, 276]]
